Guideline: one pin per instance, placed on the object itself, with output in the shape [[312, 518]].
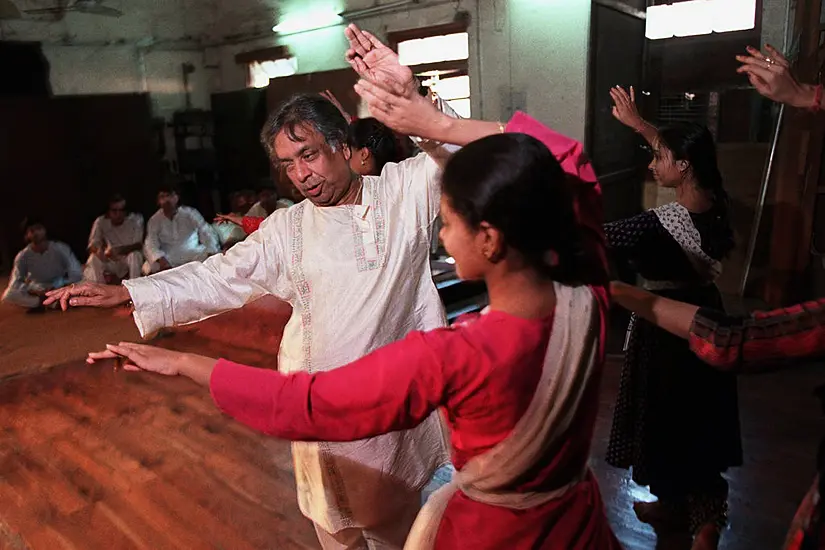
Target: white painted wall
[[524, 54], [142, 51]]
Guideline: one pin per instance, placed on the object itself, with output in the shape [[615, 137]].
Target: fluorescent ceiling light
[[303, 22], [657, 23], [692, 18], [737, 15], [699, 17]]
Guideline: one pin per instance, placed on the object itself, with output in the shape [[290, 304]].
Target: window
[[439, 57], [261, 65], [698, 17], [261, 71]]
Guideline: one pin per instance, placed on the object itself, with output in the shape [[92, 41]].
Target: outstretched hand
[[229, 218], [88, 294], [140, 357], [376, 62], [770, 73]]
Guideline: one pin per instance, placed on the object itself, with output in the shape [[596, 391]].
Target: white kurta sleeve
[[206, 234], [196, 291], [151, 246], [419, 179], [137, 228], [74, 271], [19, 272], [96, 236]]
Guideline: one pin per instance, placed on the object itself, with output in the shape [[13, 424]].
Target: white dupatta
[[676, 220], [571, 358]]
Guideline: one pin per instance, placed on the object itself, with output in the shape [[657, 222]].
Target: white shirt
[[106, 234], [180, 240], [358, 278], [55, 267]]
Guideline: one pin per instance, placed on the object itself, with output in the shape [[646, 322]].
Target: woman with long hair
[[518, 385], [676, 421], [373, 145]]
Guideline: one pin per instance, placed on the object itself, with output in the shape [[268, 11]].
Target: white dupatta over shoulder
[[569, 363]]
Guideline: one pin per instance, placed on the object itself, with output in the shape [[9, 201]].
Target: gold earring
[[363, 162]]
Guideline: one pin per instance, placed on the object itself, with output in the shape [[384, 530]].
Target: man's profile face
[[320, 173]]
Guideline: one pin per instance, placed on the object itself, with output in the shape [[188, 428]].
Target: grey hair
[[311, 109]]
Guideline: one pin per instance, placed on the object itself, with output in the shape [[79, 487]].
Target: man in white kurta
[[43, 265], [176, 235], [353, 261], [115, 244]]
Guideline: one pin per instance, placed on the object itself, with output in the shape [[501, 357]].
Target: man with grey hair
[[353, 261]]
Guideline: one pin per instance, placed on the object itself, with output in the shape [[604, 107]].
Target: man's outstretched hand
[[376, 62], [88, 294]]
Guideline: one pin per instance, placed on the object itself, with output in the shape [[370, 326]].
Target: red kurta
[[483, 374]]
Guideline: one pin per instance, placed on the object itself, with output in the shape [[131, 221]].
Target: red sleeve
[[588, 194], [251, 224], [763, 339], [393, 388]]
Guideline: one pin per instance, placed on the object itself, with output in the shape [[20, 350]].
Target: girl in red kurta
[[517, 386]]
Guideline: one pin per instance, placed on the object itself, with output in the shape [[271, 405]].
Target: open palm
[[374, 61]]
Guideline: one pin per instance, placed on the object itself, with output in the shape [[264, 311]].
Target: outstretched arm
[[748, 344], [394, 388]]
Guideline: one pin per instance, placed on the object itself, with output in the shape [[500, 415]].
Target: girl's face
[[666, 171], [463, 243]]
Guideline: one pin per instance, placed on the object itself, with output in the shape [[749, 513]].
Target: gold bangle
[[501, 127]]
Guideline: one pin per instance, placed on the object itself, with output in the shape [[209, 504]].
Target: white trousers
[[178, 260], [20, 297], [128, 266], [389, 536]]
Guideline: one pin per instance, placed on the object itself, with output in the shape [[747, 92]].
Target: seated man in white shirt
[[115, 245], [176, 235], [42, 266]]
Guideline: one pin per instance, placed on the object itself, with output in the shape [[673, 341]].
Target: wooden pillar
[[797, 176]]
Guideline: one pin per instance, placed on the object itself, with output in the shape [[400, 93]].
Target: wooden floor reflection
[[91, 458]]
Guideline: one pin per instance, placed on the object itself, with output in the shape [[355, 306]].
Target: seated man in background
[[42, 266], [115, 245], [176, 235], [229, 234]]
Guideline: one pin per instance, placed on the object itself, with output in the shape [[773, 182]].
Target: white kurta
[[106, 235], [185, 238], [358, 278]]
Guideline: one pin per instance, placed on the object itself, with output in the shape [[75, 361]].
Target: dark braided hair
[[513, 182], [375, 136]]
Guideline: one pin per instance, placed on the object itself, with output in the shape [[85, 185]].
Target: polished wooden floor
[[91, 458]]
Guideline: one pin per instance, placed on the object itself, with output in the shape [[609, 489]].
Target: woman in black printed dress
[[676, 420]]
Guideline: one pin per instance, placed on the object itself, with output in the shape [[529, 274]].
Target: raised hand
[[624, 107], [88, 294], [409, 115], [376, 62], [770, 73]]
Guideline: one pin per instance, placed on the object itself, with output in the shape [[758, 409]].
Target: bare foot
[[707, 538], [661, 514]]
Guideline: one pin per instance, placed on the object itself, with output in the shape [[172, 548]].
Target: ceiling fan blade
[[96, 9], [45, 11], [8, 10]]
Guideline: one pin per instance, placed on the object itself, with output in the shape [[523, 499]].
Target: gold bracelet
[[501, 127]]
